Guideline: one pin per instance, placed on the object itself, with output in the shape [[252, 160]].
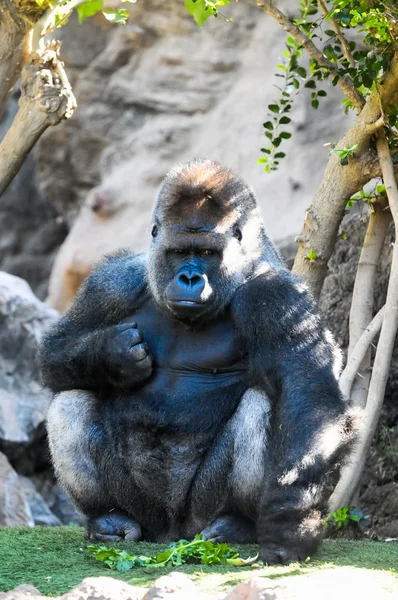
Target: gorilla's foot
[[113, 527], [229, 528]]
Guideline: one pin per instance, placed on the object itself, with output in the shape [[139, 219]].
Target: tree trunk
[[339, 183], [15, 34]]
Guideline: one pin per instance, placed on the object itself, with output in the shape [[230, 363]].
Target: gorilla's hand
[[127, 359]]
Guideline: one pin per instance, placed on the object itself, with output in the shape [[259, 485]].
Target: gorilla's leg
[[227, 490], [77, 442]]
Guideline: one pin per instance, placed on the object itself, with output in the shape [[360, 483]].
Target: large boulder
[[23, 402], [14, 508]]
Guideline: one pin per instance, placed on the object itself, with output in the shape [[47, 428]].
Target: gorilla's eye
[[237, 233], [154, 231], [206, 252]]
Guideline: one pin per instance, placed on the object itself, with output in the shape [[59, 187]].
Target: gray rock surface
[[40, 511], [345, 583], [14, 508], [23, 402]]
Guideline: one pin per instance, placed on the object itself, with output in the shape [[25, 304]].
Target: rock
[[41, 513], [174, 585], [56, 498], [104, 588], [257, 589], [23, 402], [344, 583], [21, 592], [100, 229], [14, 509], [91, 588]]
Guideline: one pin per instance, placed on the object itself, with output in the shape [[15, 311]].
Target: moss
[[55, 559]]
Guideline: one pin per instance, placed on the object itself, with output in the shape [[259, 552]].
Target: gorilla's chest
[[211, 352], [199, 375]]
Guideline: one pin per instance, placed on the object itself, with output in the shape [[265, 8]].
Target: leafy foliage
[[201, 10], [375, 28], [177, 553], [365, 61], [344, 517], [62, 9]]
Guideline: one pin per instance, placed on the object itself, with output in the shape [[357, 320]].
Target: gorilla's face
[[197, 272], [206, 237]]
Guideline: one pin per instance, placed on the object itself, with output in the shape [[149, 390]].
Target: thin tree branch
[[344, 44], [359, 352], [363, 294], [345, 82], [351, 475]]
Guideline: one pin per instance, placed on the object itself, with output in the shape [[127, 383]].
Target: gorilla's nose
[[191, 280]]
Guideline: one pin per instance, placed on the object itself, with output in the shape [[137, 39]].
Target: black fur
[[211, 399]]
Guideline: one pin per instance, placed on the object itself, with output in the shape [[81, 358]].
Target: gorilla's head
[[207, 237]]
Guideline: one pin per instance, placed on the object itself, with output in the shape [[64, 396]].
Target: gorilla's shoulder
[[116, 284], [273, 300], [120, 270]]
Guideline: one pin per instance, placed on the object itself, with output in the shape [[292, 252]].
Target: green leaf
[[88, 9], [280, 155], [268, 125], [312, 255], [119, 17], [199, 10], [273, 107], [302, 72], [285, 135], [310, 84], [285, 120]]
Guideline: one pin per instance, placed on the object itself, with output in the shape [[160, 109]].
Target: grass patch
[[55, 559]]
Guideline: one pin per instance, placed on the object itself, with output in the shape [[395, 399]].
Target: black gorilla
[[196, 387]]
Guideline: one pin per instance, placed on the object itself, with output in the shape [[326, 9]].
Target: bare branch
[[345, 82], [343, 41], [361, 312], [44, 101], [359, 352], [351, 476]]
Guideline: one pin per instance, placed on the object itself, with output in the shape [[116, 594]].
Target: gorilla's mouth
[[185, 309]]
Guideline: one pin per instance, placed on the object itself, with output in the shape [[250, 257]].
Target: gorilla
[[195, 388]]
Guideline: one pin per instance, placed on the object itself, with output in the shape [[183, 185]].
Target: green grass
[[55, 559]]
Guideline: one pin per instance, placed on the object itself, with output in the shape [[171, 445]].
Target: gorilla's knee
[[249, 429], [70, 434]]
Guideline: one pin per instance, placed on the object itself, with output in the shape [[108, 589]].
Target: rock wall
[[158, 91]]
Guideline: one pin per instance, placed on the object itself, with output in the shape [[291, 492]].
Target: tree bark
[[339, 183], [46, 99], [15, 34]]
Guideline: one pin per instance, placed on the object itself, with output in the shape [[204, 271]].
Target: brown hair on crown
[[201, 180]]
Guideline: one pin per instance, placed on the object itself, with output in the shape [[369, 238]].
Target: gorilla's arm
[[310, 430], [86, 348]]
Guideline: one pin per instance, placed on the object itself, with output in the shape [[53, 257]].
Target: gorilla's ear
[[237, 233]]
